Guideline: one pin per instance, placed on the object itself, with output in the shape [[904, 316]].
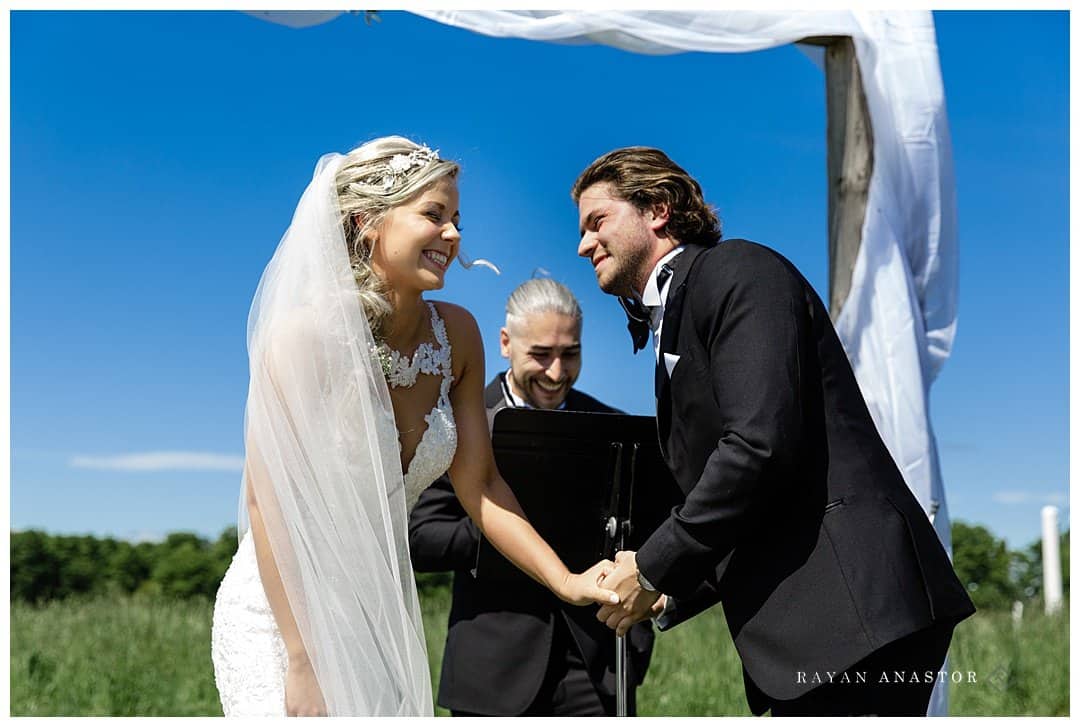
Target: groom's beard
[[629, 268]]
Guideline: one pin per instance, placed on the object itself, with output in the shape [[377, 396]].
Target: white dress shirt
[[655, 300]]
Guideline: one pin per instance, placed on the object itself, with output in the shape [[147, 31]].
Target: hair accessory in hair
[[400, 164]]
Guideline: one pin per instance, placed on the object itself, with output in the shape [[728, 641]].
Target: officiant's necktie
[[639, 315]]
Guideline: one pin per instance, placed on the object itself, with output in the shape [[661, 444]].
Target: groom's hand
[[635, 603], [581, 589]]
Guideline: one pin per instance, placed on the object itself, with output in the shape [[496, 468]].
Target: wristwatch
[[644, 583]]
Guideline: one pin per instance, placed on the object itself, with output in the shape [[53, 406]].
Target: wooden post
[[850, 162]]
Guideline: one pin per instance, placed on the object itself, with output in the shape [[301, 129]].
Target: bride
[[361, 394]]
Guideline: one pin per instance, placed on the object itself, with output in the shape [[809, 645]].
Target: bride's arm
[[482, 491], [275, 391], [303, 697]]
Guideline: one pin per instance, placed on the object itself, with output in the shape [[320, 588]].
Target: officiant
[[520, 651]]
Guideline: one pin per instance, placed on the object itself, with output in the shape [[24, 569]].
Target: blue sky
[[156, 159]]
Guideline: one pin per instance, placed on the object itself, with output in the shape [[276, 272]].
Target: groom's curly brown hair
[[644, 176]]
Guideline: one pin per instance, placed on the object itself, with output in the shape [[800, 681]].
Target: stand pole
[[621, 654], [622, 646]]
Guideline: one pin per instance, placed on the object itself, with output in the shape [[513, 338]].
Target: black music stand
[[583, 523]]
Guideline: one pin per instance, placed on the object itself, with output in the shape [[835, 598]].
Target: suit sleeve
[[441, 535], [705, 596], [749, 316]]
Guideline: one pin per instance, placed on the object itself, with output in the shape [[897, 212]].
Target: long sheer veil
[[323, 464]]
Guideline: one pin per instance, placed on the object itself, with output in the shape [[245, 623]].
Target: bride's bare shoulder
[[290, 341], [456, 316], [286, 330]]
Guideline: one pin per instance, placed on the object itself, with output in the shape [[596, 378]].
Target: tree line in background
[[45, 567], [995, 576]]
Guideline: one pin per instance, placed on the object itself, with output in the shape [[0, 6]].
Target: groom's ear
[[504, 342], [659, 215]]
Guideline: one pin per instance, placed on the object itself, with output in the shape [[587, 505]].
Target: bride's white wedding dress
[[248, 652]]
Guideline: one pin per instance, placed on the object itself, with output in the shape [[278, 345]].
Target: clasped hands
[[635, 603]]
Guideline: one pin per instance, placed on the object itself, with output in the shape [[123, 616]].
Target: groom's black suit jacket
[[796, 518], [499, 638]]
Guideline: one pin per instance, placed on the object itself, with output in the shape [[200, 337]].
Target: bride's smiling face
[[416, 241]]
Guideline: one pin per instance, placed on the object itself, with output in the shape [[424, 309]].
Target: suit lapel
[[493, 392], [669, 337], [494, 399]]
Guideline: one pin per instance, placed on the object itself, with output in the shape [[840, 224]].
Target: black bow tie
[[637, 321], [637, 313]]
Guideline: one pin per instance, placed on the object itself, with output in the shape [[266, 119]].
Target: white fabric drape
[[322, 461]]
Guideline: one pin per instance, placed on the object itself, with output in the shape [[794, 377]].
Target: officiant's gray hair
[[540, 295]]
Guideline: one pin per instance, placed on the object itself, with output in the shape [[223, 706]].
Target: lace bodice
[[438, 444]]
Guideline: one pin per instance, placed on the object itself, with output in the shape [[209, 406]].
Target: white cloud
[[161, 461], [1023, 497], [143, 536]]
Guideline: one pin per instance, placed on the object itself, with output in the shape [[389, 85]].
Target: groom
[[837, 593]]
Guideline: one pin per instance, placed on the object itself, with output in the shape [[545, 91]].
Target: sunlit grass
[[151, 657], [112, 656]]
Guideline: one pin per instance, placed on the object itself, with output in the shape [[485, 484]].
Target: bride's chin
[[426, 285], [431, 281], [420, 282]]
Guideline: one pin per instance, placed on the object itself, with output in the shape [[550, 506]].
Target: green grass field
[[123, 656]]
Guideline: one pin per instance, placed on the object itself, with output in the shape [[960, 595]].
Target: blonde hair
[[370, 182]]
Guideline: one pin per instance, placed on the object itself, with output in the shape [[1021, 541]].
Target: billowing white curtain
[[899, 318]]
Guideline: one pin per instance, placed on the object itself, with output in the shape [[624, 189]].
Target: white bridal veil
[[322, 461]]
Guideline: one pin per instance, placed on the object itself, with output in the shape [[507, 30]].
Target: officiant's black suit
[[796, 518], [505, 644]]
